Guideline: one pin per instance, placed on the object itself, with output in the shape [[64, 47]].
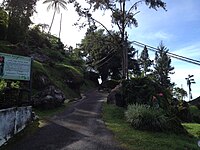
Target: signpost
[[15, 67]]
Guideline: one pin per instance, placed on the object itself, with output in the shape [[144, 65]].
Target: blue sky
[[179, 29], [178, 26]]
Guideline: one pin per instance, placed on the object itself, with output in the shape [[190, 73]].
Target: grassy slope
[[55, 73], [143, 140]]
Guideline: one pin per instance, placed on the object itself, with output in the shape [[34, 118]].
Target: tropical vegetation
[[152, 105]]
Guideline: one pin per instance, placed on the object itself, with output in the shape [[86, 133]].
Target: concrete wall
[[12, 121]]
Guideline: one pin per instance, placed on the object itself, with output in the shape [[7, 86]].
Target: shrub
[[195, 113], [146, 118], [183, 112], [149, 118], [93, 76], [109, 84], [144, 90]]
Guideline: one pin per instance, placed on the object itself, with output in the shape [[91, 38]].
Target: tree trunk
[[122, 42], [60, 25], [52, 20]]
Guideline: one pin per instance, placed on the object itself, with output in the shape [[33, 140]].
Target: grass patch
[[193, 129], [37, 66], [57, 75], [50, 112], [139, 140], [75, 70]]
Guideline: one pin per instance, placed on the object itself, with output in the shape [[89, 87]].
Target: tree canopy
[[19, 13], [56, 5], [162, 67], [145, 61], [123, 14]]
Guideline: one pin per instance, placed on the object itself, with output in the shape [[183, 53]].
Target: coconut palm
[[55, 4]]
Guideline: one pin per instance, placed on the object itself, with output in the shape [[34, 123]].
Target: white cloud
[[158, 35], [163, 36], [191, 50]]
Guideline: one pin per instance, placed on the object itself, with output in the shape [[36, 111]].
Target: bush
[[109, 84], [146, 118], [145, 91], [183, 112], [195, 113], [93, 76]]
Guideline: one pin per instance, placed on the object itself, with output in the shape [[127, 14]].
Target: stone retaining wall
[[13, 120]]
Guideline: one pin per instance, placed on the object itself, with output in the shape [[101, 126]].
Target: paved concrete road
[[79, 127]]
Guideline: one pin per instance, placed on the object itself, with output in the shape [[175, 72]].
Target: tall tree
[[145, 61], [95, 46], [163, 66], [19, 13], [55, 4], [123, 14]]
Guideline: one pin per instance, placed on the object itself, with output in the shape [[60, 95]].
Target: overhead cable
[[182, 58]]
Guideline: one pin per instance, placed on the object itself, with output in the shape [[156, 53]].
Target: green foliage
[[44, 113], [193, 129], [10, 93], [109, 84], [145, 117], [179, 93], [145, 61], [19, 20], [3, 85], [122, 15], [162, 67], [102, 53], [133, 139], [145, 91], [15, 85], [182, 111], [195, 112], [123, 12], [93, 76], [65, 77], [38, 67], [3, 23], [36, 38], [55, 56]]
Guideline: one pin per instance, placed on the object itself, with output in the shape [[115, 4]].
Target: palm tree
[[55, 4]]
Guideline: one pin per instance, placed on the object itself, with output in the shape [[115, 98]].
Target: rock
[[40, 57], [40, 80], [50, 97], [115, 97]]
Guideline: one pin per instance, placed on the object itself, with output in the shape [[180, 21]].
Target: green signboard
[[15, 67]]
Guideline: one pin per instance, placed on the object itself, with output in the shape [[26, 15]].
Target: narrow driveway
[[79, 127]]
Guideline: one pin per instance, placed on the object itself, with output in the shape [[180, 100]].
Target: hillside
[[195, 101], [56, 73]]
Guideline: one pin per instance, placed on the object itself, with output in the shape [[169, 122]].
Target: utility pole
[[190, 80]]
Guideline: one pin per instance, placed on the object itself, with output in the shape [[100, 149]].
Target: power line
[[182, 58]]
